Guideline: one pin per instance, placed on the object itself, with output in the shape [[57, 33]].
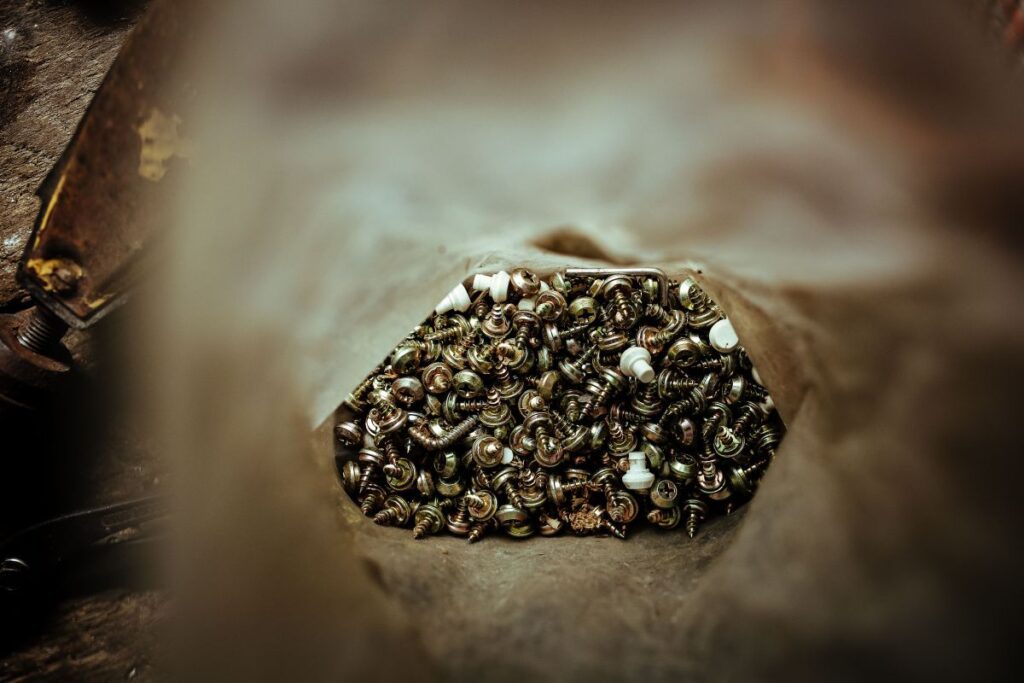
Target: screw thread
[[664, 336], [698, 297], [624, 312], [502, 376], [465, 344], [369, 504], [572, 409], [573, 331], [755, 390], [357, 394], [41, 331], [382, 402], [425, 439], [459, 516], [386, 517], [600, 398], [575, 487], [682, 383], [710, 425], [483, 479], [391, 451], [629, 415], [514, 496], [561, 424], [660, 315], [740, 425], [649, 394], [615, 432], [613, 529], [692, 522], [523, 336], [672, 412], [443, 335], [584, 358], [471, 406], [476, 532], [420, 530], [369, 473]]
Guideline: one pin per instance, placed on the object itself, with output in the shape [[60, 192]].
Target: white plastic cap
[[638, 477], [457, 300], [636, 362], [723, 337], [507, 456], [481, 282], [496, 284], [527, 304], [499, 286]]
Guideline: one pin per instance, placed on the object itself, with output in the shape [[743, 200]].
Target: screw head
[[487, 451], [468, 384], [408, 390], [349, 433], [665, 493], [406, 358], [437, 378], [584, 310]]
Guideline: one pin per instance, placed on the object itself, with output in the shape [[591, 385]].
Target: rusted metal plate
[[101, 203]]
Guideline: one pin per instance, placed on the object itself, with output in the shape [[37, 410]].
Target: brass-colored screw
[[428, 520], [396, 512], [521, 417], [696, 510]]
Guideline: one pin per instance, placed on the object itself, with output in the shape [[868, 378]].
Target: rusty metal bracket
[[103, 201]]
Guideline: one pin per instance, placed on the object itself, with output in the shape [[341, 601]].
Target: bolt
[[41, 331]]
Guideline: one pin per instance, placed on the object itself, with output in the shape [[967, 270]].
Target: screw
[[477, 531], [616, 290], [503, 482], [429, 519], [666, 519], [696, 510], [519, 414], [396, 512]]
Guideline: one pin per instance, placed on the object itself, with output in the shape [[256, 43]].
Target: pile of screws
[[583, 403]]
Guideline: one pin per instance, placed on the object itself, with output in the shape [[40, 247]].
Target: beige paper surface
[[364, 159]]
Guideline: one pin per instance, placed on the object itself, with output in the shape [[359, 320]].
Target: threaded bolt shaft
[[41, 331]]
